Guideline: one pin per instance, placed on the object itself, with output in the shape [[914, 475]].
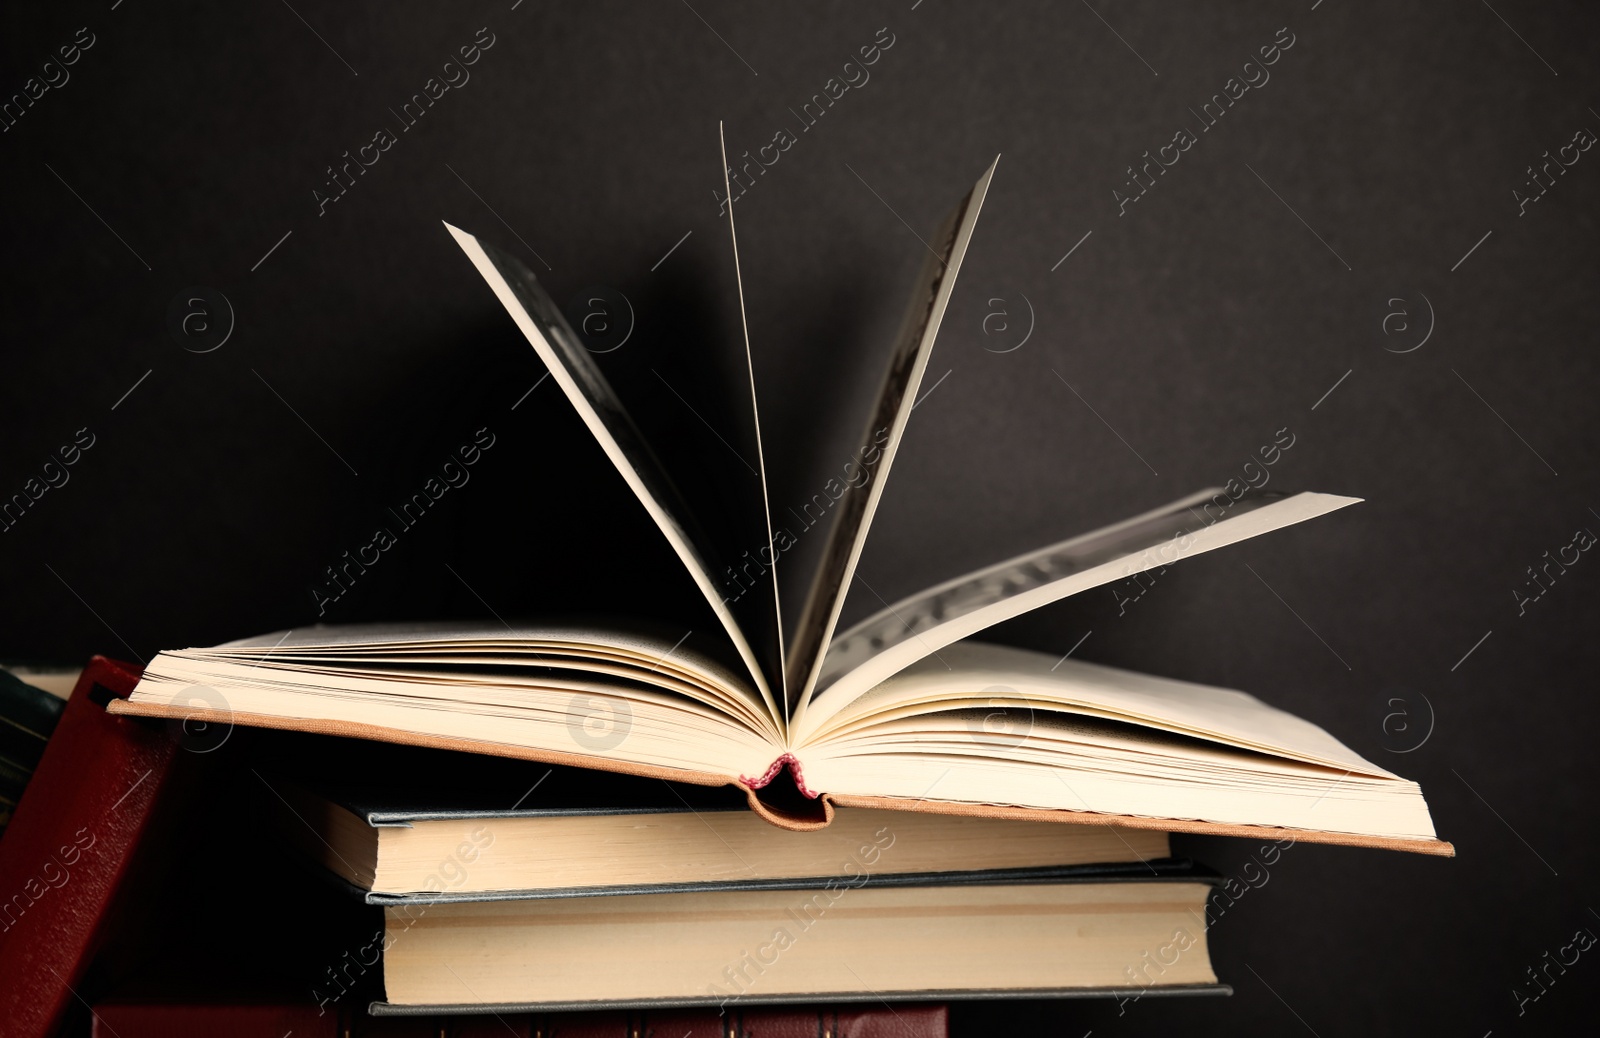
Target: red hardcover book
[[273, 1020], [69, 845], [911, 1021]]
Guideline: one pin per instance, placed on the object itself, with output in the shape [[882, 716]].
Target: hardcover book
[[1069, 934], [71, 845], [424, 827], [267, 1018], [28, 714], [902, 710]]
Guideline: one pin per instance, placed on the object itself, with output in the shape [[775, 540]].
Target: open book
[[900, 710]]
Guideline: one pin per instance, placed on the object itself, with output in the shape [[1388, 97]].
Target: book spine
[[161, 1020], [906, 1021], [70, 843], [168, 1020]]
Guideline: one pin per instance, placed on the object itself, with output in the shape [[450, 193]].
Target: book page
[[985, 676], [888, 642], [633, 652], [853, 515], [994, 725], [775, 620], [580, 716], [546, 329]]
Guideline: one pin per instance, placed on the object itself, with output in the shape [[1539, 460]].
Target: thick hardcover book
[[402, 825], [70, 845], [1056, 933], [900, 710], [136, 1019]]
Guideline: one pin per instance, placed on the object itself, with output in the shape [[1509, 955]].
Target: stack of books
[[886, 811], [603, 892]]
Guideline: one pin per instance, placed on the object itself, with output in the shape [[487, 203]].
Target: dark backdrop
[[1352, 256]]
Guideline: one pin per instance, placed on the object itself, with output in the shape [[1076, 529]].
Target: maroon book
[[132, 1019], [70, 843]]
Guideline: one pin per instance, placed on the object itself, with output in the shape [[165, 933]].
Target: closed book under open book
[[417, 826], [901, 710]]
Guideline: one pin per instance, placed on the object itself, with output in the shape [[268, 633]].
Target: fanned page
[[566, 694], [546, 329], [990, 725], [890, 641], [853, 514], [984, 730], [775, 621]]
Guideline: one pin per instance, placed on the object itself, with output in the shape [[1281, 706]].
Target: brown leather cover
[[777, 815], [271, 1020], [117, 1019]]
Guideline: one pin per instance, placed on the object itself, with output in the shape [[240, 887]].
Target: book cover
[[1057, 934], [410, 825], [127, 1018], [28, 714], [71, 843]]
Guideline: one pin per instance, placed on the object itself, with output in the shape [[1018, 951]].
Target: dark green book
[[27, 717]]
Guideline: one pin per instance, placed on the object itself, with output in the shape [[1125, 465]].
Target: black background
[[1191, 329]]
